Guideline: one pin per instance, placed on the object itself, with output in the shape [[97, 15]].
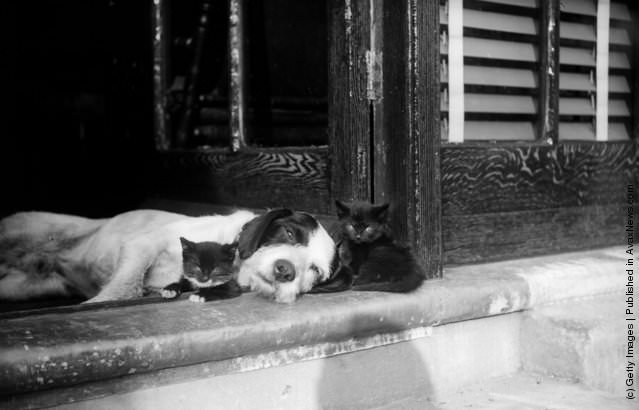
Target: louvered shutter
[[500, 78], [578, 62]]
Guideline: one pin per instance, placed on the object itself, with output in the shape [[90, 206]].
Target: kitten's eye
[[350, 228], [290, 235], [368, 229]]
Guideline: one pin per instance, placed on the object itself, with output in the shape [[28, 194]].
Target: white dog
[[280, 253]]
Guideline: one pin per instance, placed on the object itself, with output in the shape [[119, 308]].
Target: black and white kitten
[[207, 269], [370, 259]]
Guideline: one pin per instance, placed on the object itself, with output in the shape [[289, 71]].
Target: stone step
[[521, 391], [354, 350], [585, 341], [414, 363]]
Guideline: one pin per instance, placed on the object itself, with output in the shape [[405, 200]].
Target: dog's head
[[284, 253]]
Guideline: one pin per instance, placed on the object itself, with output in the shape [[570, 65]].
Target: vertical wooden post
[[456, 106], [603, 44], [238, 88], [348, 105], [634, 133], [185, 129], [409, 136], [549, 72], [160, 41]]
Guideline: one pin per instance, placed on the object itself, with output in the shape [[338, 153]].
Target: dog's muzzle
[[283, 271]]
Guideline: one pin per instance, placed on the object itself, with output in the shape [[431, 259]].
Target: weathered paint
[[549, 83], [237, 67], [159, 29]]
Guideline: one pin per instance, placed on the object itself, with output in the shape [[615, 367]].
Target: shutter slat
[[503, 77], [619, 11], [506, 77], [618, 84], [582, 131], [506, 104], [498, 49], [500, 22], [577, 31], [575, 82], [577, 56], [521, 3], [618, 60], [617, 132], [618, 36], [576, 106], [495, 103], [499, 130], [583, 7], [503, 116], [618, 108]]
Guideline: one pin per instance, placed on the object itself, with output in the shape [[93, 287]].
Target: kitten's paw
[[197, 298], [169, 294]]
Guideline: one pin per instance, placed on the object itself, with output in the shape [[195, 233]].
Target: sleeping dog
[[281, 253]]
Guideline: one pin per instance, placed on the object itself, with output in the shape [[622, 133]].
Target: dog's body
[[45, 254]]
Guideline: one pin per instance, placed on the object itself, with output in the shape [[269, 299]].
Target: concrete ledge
[[55, 350], [585, 342], [449, 358]]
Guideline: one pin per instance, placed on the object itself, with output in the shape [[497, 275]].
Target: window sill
[[57, 350]]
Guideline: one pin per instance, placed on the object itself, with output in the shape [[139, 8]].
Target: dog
[[281, 253]]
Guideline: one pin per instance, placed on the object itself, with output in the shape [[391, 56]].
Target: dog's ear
[[253, 232], [341, 280]]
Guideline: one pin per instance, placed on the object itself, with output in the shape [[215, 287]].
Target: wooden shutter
[[578, 62], [500, 80]]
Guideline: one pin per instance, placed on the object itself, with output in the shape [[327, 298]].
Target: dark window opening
[[285, 61]]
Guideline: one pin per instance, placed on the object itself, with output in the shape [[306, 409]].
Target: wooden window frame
[[366, 153], [456, 203], [512, 199], [384, 124]]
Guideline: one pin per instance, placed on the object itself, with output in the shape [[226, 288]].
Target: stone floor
[[519, 392]]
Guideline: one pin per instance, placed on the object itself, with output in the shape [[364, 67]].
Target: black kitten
[[370, 259], [208, 269]]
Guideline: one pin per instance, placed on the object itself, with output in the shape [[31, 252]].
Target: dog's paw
[[197, 298], [169, 293]]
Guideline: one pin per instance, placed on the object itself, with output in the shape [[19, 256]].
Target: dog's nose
[[283, 270]]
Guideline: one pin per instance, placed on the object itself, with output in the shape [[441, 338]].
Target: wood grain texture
[[549, 72], [185, 129], [348, 106], [406, 135], [296, 178], [509, 235], [238, 86], [495, 178], [160, 43]]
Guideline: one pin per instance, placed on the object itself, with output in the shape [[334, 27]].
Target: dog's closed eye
[[316, 271]]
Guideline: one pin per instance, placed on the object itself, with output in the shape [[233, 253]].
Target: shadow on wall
[[395, 373]]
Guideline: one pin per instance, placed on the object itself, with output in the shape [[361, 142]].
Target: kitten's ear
[[382, 211], [229, 249], [186, 244], [342, 209]]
